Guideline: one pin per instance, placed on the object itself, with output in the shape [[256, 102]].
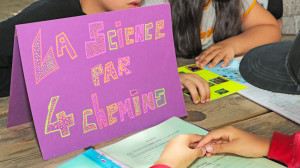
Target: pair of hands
[[194, 83], [182, 150]]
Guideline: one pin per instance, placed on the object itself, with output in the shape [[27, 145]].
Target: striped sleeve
[[247, 7]]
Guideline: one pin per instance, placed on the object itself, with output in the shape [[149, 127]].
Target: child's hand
[[180, 151], [195, 84], [216, 53], [233, 140]]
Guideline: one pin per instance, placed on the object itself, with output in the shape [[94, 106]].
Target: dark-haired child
[[216, 30]]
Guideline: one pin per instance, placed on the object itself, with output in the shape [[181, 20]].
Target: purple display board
[[92, 78]]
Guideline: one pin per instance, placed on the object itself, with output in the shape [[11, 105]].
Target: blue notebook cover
[[88, 159]]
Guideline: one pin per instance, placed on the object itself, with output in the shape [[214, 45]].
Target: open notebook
[[141, 150]]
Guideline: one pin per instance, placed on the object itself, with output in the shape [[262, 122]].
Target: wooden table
[[19, 146]]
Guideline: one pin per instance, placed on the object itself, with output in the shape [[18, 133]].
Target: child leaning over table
[[54, 9], [216, 30]]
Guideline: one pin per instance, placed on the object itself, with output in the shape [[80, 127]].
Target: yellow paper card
[[219, 86]]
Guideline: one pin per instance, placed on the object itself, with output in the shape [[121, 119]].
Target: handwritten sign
[[92, 78]]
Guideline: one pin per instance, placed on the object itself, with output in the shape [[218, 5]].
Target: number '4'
[[62, 123]]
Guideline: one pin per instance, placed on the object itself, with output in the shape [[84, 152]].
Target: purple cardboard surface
[[19, 109], [95, 77]]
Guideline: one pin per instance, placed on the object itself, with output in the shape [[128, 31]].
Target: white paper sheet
[[284, 104]]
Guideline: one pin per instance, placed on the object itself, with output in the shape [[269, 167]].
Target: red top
[[286, 149], [160, 166]]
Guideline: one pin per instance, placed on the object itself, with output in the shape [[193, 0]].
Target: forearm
[[254, 37]]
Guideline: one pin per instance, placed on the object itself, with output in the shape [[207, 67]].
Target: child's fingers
[[206, 140], [214, 135], [226, 61], [216, 60], [202, 86], [207, 53], [209, 57], [194, 138], [206, 86], [196, 85], [199, 59], [200, 152], [193, 91], [219, 148], [203, 55], [193, 145], [202, 92], [208, 154], [204, 89]]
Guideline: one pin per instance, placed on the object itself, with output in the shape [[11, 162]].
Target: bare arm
[[259, 27]]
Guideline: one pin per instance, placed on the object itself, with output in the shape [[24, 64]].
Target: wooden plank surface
[[266, 124], [4, 102], [223, 111], [9, 8], [19, 147]]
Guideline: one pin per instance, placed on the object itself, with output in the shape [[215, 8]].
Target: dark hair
[[187, 17]]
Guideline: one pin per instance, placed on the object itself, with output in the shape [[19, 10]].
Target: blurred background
[[9, 8]]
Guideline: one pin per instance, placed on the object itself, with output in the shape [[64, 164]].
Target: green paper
[[143, 149], [219, 86]]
